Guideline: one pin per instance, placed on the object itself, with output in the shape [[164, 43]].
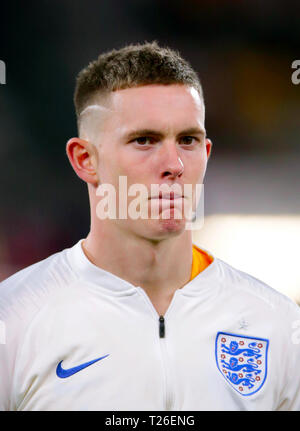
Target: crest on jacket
[[242, 361]]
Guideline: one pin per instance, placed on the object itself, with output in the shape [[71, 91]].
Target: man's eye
[[144, 140], [188, 140]]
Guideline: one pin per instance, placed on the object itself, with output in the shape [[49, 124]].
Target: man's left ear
[[82, 156], [208, 144]]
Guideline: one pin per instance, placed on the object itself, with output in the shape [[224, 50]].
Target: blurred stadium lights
[[264, 246]]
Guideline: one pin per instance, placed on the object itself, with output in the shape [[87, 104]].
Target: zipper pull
[[161, 327]]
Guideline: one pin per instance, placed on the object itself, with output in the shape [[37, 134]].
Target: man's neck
[[160, 268]]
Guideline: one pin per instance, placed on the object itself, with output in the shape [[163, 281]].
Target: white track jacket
[[75, 337]]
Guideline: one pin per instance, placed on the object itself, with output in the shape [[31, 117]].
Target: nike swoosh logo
[[62, 373]]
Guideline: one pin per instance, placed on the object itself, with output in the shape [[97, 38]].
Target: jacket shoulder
[[29, 287], [256, 290]]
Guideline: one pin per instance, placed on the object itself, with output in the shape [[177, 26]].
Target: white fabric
[[64, 308]]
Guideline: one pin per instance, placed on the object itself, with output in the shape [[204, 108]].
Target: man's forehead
[[165, 108], [154, 94], [157, 106]]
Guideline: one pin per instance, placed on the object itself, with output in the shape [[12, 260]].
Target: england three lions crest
[[242, 361]]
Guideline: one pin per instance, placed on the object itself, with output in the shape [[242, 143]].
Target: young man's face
[[154, 134]]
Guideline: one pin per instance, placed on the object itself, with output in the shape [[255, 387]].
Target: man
[[134, 317]]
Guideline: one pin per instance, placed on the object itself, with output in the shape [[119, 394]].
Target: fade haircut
[[132, 66]]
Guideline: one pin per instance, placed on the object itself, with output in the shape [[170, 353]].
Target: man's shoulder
[[254, 290], [30, 287]]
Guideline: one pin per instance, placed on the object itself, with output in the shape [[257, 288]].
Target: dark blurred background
[[243, 53]]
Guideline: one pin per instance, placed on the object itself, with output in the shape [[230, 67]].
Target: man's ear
[[208, 144], [83, 158]]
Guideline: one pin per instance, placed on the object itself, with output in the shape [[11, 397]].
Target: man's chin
[[164, 228], [155, 229]]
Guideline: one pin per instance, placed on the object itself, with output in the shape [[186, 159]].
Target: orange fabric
[[201, 260]]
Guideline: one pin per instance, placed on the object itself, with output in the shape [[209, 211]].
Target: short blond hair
[[132, 66]]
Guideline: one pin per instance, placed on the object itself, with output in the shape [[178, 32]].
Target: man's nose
[[171, 163]]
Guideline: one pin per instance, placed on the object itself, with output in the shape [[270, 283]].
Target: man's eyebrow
[[142, 132], [193, 131], [150, 132]]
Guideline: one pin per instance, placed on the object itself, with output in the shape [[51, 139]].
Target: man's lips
[[169, 196]]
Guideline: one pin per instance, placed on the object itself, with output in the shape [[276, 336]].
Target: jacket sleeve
[[290, 396], [6, 365]]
